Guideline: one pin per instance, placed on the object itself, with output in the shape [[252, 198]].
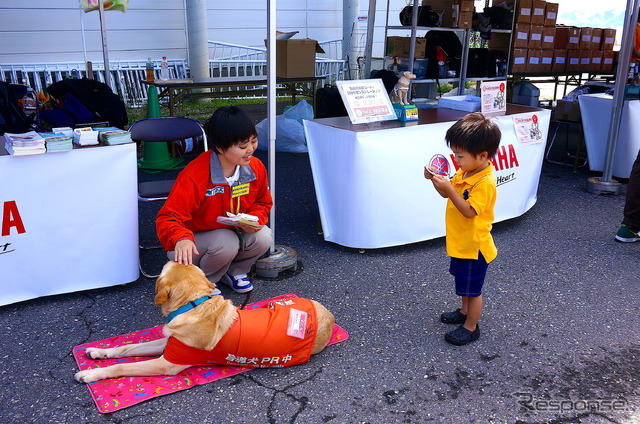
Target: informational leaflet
[[527, 128], [366, 100], [494, 98]]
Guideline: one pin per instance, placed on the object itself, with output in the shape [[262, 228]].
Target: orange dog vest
[[258, 338]]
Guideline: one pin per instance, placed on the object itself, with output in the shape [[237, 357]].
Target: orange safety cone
[[155, 156]]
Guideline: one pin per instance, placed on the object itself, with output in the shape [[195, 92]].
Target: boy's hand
[[442, 185], [429, 172]]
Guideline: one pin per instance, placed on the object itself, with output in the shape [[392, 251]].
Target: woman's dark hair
[[474, 133], [227, 126]]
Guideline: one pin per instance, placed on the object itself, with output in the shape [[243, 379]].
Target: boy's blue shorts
[[469, 275]]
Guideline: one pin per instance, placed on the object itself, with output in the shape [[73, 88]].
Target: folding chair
[[162, 130]]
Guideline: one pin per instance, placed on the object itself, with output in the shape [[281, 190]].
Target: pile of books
[[57, 141], [112, 135], [29, 143]]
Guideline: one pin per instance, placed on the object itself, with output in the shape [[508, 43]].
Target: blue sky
[[593, 13]]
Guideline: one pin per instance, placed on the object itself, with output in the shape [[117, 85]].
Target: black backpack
[[329, 103], [426, 16], [95, 96], [12, 118], [447, 42], [389, 78]]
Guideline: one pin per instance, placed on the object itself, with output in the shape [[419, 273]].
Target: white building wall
[[42, 31]]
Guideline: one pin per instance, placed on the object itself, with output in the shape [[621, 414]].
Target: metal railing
[[127, 75]]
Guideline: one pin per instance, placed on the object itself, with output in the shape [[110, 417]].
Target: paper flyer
[[527, 128]]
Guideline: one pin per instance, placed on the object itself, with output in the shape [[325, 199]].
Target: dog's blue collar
[[185, 308]]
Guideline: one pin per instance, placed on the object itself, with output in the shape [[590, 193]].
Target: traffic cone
[[155, 156]]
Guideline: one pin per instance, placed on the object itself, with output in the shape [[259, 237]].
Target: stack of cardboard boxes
[[539, 46], [453, 13]]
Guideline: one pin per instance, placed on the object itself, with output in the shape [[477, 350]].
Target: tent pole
[[105, 51], [368, 50], [605, 184], [271, 109]]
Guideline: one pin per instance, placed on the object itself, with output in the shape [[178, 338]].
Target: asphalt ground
[[559, 344]]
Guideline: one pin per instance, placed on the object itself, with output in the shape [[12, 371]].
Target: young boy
[[471, 195]]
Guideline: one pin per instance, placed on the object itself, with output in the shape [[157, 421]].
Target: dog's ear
[[162, 292]]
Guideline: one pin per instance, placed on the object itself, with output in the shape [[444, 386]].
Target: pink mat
[[113, 394]]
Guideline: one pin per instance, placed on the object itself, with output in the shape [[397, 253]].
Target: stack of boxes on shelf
[[542, 47], [453, 13]]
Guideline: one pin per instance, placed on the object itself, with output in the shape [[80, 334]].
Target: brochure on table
[[494, 98], [366, 100]]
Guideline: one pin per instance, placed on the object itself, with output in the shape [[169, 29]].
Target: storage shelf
[[419, 28], [465, 34]]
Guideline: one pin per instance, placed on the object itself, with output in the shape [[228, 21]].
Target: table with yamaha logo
[[369, 178]]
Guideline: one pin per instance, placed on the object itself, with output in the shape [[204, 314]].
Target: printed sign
[[366, 100], [527, 128], [494, 98]]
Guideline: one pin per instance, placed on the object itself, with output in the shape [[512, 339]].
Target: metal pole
[[271, 110], [371, 21], [350, 9], [105, 50], [197, 36], [605, 184]]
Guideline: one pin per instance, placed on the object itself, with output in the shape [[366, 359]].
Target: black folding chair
[[162, 130]]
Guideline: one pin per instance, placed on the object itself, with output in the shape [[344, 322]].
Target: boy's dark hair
[[474, 133], [227, 126]]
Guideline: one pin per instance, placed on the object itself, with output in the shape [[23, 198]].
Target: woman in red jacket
[[227, 178]]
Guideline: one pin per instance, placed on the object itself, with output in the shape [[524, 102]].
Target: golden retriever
[[200, 324]]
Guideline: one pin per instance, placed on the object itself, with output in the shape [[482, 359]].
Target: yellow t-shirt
[[467, 236]]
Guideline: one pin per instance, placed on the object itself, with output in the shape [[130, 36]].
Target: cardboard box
[[519, 61], [559, 61], [534, 56], [523, 11], [596, 38], [566, 37], [521, 36], [568, 111], [608, 59], [585, 60], [464, 19], [585, 38], [573, 61], [465, 5], [550, 14], [444, 8], [608, 39], [538, 12], [548, 38], [500, 41], [535, 36], [546, 61], [596, 60], [400, 47], [296, 57]]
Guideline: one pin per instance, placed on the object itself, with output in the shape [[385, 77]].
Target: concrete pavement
[[559, 328]]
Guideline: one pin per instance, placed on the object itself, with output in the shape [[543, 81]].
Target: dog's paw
[[95, 353], [86, 376]]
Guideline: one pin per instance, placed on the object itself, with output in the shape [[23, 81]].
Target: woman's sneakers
[[626, 234], [455, 317], [239, 283]]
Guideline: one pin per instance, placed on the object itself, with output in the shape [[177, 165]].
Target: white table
[[596, 111], [369, 179], [69, 221]]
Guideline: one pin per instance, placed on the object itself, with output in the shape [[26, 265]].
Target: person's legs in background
[[628, 231]]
